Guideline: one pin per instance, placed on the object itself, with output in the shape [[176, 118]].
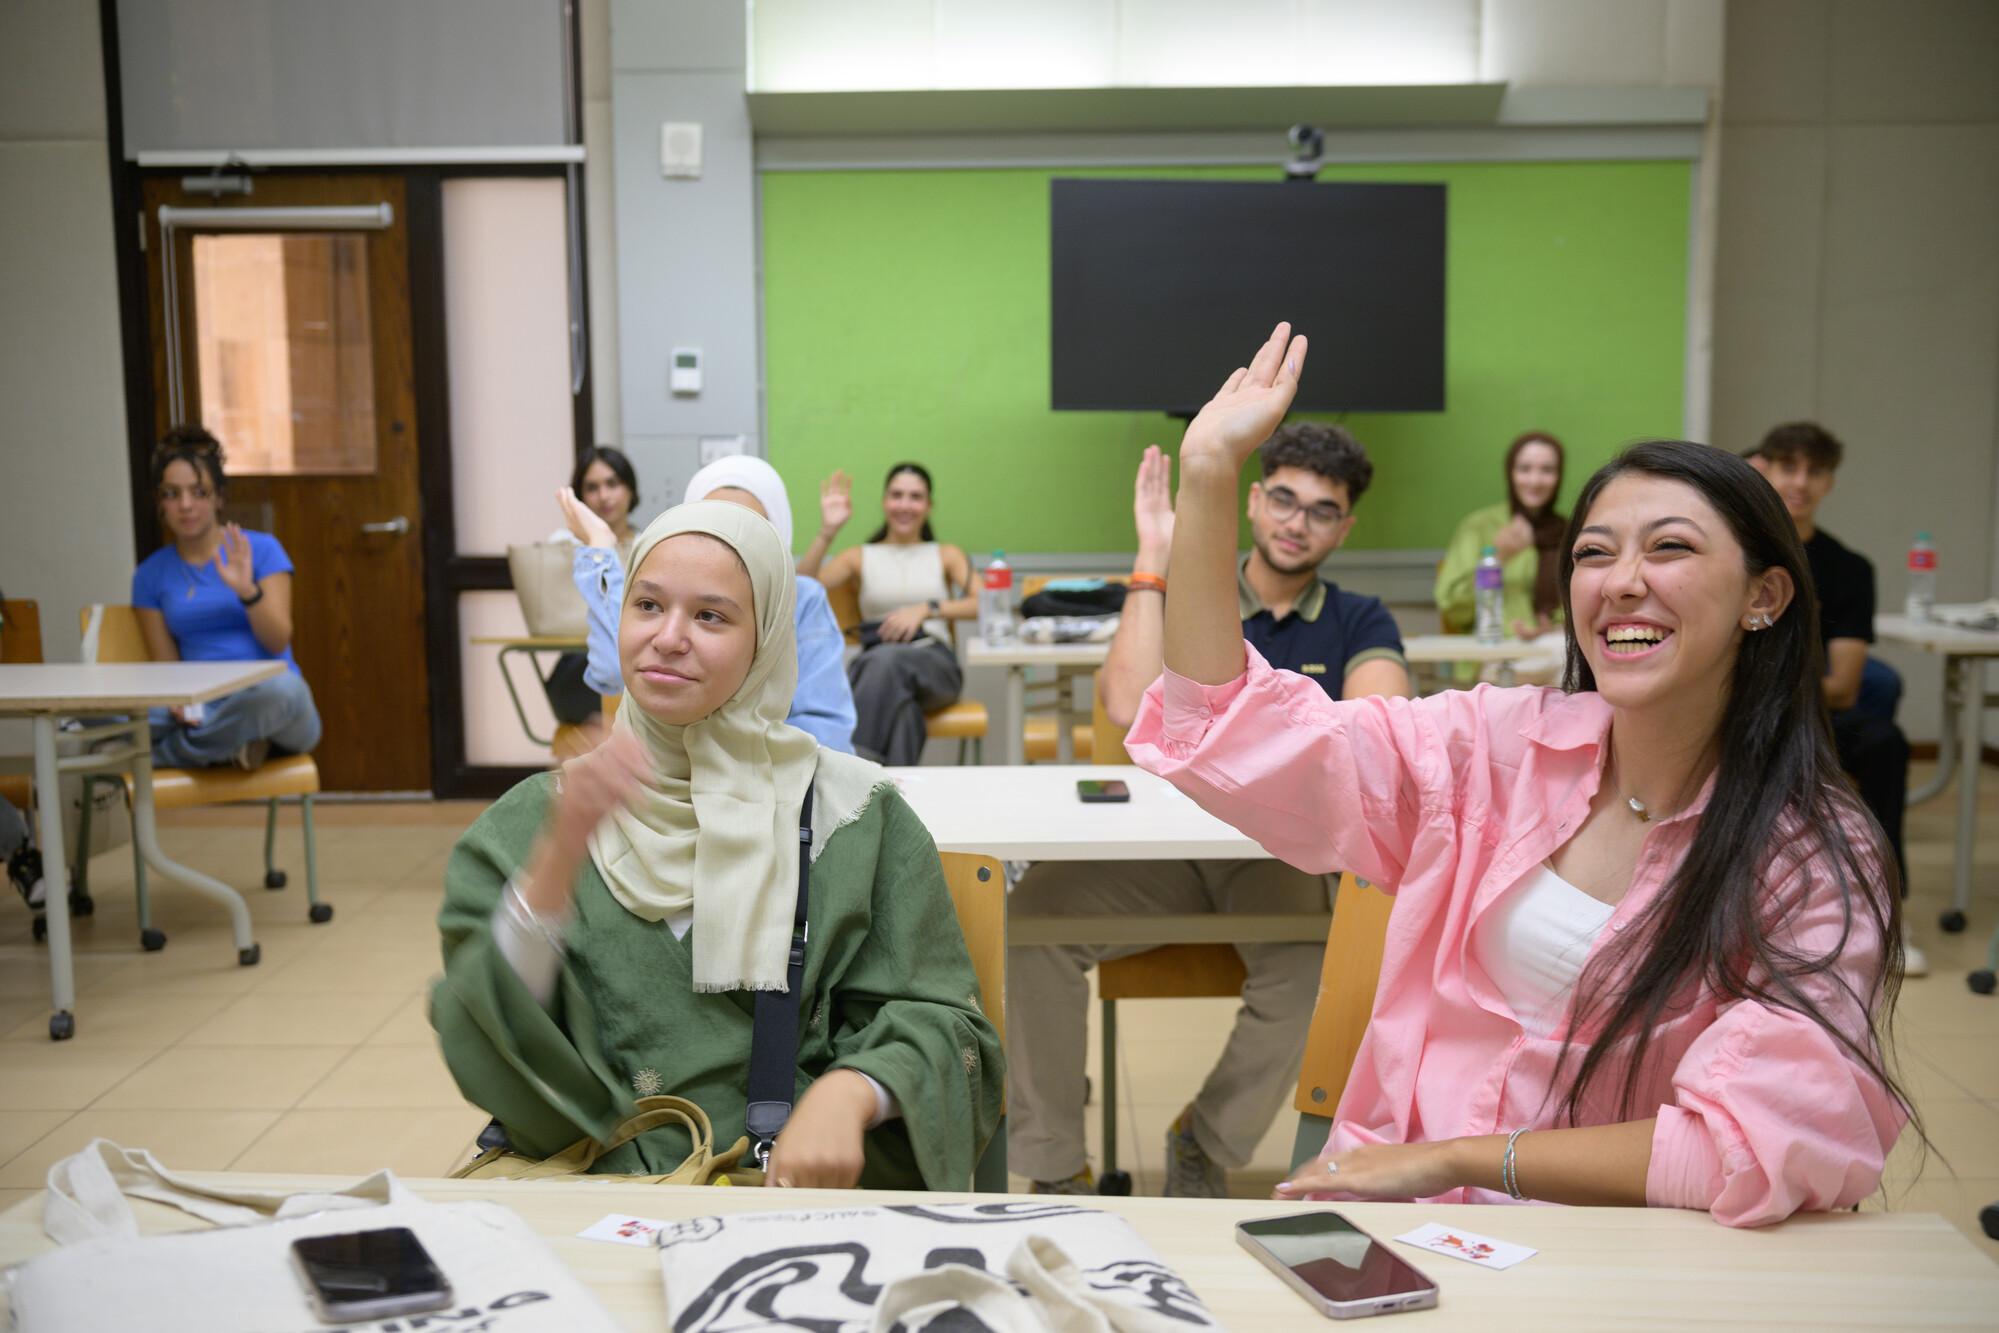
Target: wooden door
[[290, 340]]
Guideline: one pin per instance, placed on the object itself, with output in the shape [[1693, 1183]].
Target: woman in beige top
[[910, 586]]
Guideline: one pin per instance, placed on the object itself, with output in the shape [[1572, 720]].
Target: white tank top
[[1533, 943], [893, 577]]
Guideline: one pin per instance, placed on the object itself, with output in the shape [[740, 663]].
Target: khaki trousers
[[1048, 997]]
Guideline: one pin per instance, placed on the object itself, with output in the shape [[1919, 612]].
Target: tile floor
[[320, 1059]]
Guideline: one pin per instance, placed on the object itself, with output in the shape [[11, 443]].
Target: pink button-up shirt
[[1448, 802]]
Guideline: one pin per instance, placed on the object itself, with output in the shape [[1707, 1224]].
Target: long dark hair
[[1777, 785], [915, 470], [1550, 526], [613, 459]]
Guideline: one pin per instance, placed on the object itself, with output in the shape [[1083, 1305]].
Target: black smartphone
[[1340, 1270], [370, 1274], [1094, 791]]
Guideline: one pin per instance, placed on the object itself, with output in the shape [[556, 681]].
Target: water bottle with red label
[[996, 601], [1922, 579]]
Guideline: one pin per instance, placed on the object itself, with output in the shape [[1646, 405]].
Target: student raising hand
[[1247, 408]]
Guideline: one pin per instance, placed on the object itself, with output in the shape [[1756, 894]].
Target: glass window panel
[[493, 731], [506, 330], [283, 351]]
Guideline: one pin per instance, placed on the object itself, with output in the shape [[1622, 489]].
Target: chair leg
[[274, 878], [978, 750], [316, 911], [1109, 1083], [963, 741], [149, 939]]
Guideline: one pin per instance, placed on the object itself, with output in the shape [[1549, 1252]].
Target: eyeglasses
[[169, 494], [1283, 503]]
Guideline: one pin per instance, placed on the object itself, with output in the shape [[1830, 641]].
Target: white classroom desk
[[46, 694], [1508, 654], [1961, 746], [1031, 813], [1597, 1267], [1069, 660]]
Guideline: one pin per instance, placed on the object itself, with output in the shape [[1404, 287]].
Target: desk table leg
[[1946, 738], [147, 835], [1016, 715], [1971, 749], [1065, 694], [55, 881]]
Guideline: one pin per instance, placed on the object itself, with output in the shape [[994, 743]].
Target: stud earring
[[1759, 621]]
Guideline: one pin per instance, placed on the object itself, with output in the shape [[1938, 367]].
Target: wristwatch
[[934, 607]]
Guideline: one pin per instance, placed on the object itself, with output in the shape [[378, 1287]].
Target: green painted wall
[[906, 316]]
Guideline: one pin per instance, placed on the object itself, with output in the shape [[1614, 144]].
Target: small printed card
[[624, 1229], [1467, 1245]]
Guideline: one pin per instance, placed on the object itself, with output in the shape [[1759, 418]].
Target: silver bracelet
[[1509, 1174], [517, 905]]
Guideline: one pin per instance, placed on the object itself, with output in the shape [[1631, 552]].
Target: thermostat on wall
[[686, 376]]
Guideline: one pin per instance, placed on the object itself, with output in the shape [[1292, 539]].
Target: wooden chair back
[[846, 603], [1106, 736], [978, 892], [21, 632], [1347, 982], [117, 637]]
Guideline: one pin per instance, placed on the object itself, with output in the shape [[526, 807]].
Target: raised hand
[[1247, 408], [232, 563], [836, 502], [584, 523], [1152, 507], [596, 784]]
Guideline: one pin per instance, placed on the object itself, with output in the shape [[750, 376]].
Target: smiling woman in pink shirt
[[1645, 942]]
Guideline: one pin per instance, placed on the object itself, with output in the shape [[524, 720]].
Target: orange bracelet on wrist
[[1148, 583]]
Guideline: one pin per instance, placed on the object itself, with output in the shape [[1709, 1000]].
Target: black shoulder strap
[[774, 1030]]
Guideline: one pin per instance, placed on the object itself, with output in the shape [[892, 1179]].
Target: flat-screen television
[[1161, 288]]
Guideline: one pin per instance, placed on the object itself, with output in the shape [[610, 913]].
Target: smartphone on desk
[[1098, 791], [369, 1274], [1340, 1270]]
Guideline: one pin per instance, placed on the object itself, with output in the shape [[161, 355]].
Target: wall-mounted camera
[[1308, 147]]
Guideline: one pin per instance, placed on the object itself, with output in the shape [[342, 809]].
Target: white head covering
[[716, 826], [748, 474]]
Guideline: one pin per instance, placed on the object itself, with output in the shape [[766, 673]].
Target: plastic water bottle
[[1922, 579], [996, 601], [1491, 584]]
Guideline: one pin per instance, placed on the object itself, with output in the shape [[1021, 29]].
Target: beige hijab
[[717, 827]]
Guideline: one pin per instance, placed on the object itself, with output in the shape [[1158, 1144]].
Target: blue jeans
[[279, 710], [1880, 690]]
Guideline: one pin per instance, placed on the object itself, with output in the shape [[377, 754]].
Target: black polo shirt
[[1325, 635], [1844, 581]]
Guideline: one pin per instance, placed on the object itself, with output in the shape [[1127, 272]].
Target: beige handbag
[[550, 604], [704, 1166]]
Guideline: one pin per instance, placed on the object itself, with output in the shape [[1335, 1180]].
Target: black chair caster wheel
[[152, 941], [1116, 1183], [62, 1026], [320, 913], [248, 957], [40, 929], [82, 904], [274, 879], [1988, 1218], [1982, 981], [1952, 922]]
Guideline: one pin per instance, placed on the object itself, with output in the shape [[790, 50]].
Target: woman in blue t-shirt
[[218, 593]]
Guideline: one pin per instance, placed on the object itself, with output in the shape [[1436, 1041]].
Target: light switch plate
[[715, 447]]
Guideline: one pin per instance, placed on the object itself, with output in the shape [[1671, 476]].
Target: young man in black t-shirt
[[1299, 513], [1799, 461]]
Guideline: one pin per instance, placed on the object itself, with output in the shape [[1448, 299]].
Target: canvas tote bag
[[703, 1166], [238, 1277], [550, 604]]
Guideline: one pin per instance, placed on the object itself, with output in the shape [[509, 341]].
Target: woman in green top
[[606, 927], [1527, 533]]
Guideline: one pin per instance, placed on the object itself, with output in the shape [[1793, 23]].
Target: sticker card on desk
[[1469, 1246], [624, 1229]]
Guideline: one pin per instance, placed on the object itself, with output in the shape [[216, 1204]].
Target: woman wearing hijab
[[823, 704], [607, 927], [1527, 533]]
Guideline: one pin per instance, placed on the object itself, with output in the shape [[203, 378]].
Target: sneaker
[[1190, 1172], [1915, 963], [1083, 1182], [252, 756], [24, 869]]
